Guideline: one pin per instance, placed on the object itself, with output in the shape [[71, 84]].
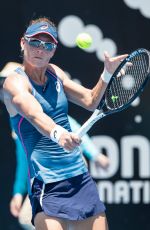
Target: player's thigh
[[44, 222], [93, 223]]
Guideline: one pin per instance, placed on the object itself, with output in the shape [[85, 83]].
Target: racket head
[[122, 90]]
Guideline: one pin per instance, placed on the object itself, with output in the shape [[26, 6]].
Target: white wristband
[[56, 132], [106, 76]]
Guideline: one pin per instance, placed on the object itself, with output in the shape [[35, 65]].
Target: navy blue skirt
[[75, 198]]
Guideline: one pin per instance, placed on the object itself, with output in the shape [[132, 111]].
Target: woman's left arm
[[89, 98]]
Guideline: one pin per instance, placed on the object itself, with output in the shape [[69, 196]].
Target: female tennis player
[[62, 193]]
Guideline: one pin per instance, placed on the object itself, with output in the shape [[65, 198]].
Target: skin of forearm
[[97, 93], [33, 112], [43, 123]]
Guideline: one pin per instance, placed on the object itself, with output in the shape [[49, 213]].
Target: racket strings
[[122, 89]]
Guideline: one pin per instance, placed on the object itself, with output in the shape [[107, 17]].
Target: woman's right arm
[[19, 99]]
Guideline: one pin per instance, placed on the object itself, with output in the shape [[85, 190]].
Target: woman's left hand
[[111, 63]]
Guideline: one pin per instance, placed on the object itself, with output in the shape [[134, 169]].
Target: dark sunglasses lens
[[49, 46], [34, 43]]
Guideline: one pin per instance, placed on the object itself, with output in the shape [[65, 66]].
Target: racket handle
[[83, 130], [89, 123]]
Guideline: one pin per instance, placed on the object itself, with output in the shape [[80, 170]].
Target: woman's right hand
[[69, 141]]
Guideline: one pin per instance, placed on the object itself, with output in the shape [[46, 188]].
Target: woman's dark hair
[[42, 19]]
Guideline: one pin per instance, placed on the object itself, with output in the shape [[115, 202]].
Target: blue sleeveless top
[[48, 161]]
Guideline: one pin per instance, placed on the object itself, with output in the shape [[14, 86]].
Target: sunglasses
[[34, 42]]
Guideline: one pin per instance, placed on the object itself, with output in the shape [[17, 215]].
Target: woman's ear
[[22, 41]]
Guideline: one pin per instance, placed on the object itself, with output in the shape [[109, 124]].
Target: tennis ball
[[83, 40]]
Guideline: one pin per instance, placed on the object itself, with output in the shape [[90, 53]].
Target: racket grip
[[88, 124], [82, 131]]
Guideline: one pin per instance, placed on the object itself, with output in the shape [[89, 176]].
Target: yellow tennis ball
[[83, 40]]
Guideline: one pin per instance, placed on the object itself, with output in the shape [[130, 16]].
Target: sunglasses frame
[[41, 43]]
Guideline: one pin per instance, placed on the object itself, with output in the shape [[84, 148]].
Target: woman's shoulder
[[15, 79], [57, 71]]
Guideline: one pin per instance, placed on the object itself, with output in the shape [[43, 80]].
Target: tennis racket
[[122, 90]]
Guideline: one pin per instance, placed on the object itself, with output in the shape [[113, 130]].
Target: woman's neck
[[37, 74]]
